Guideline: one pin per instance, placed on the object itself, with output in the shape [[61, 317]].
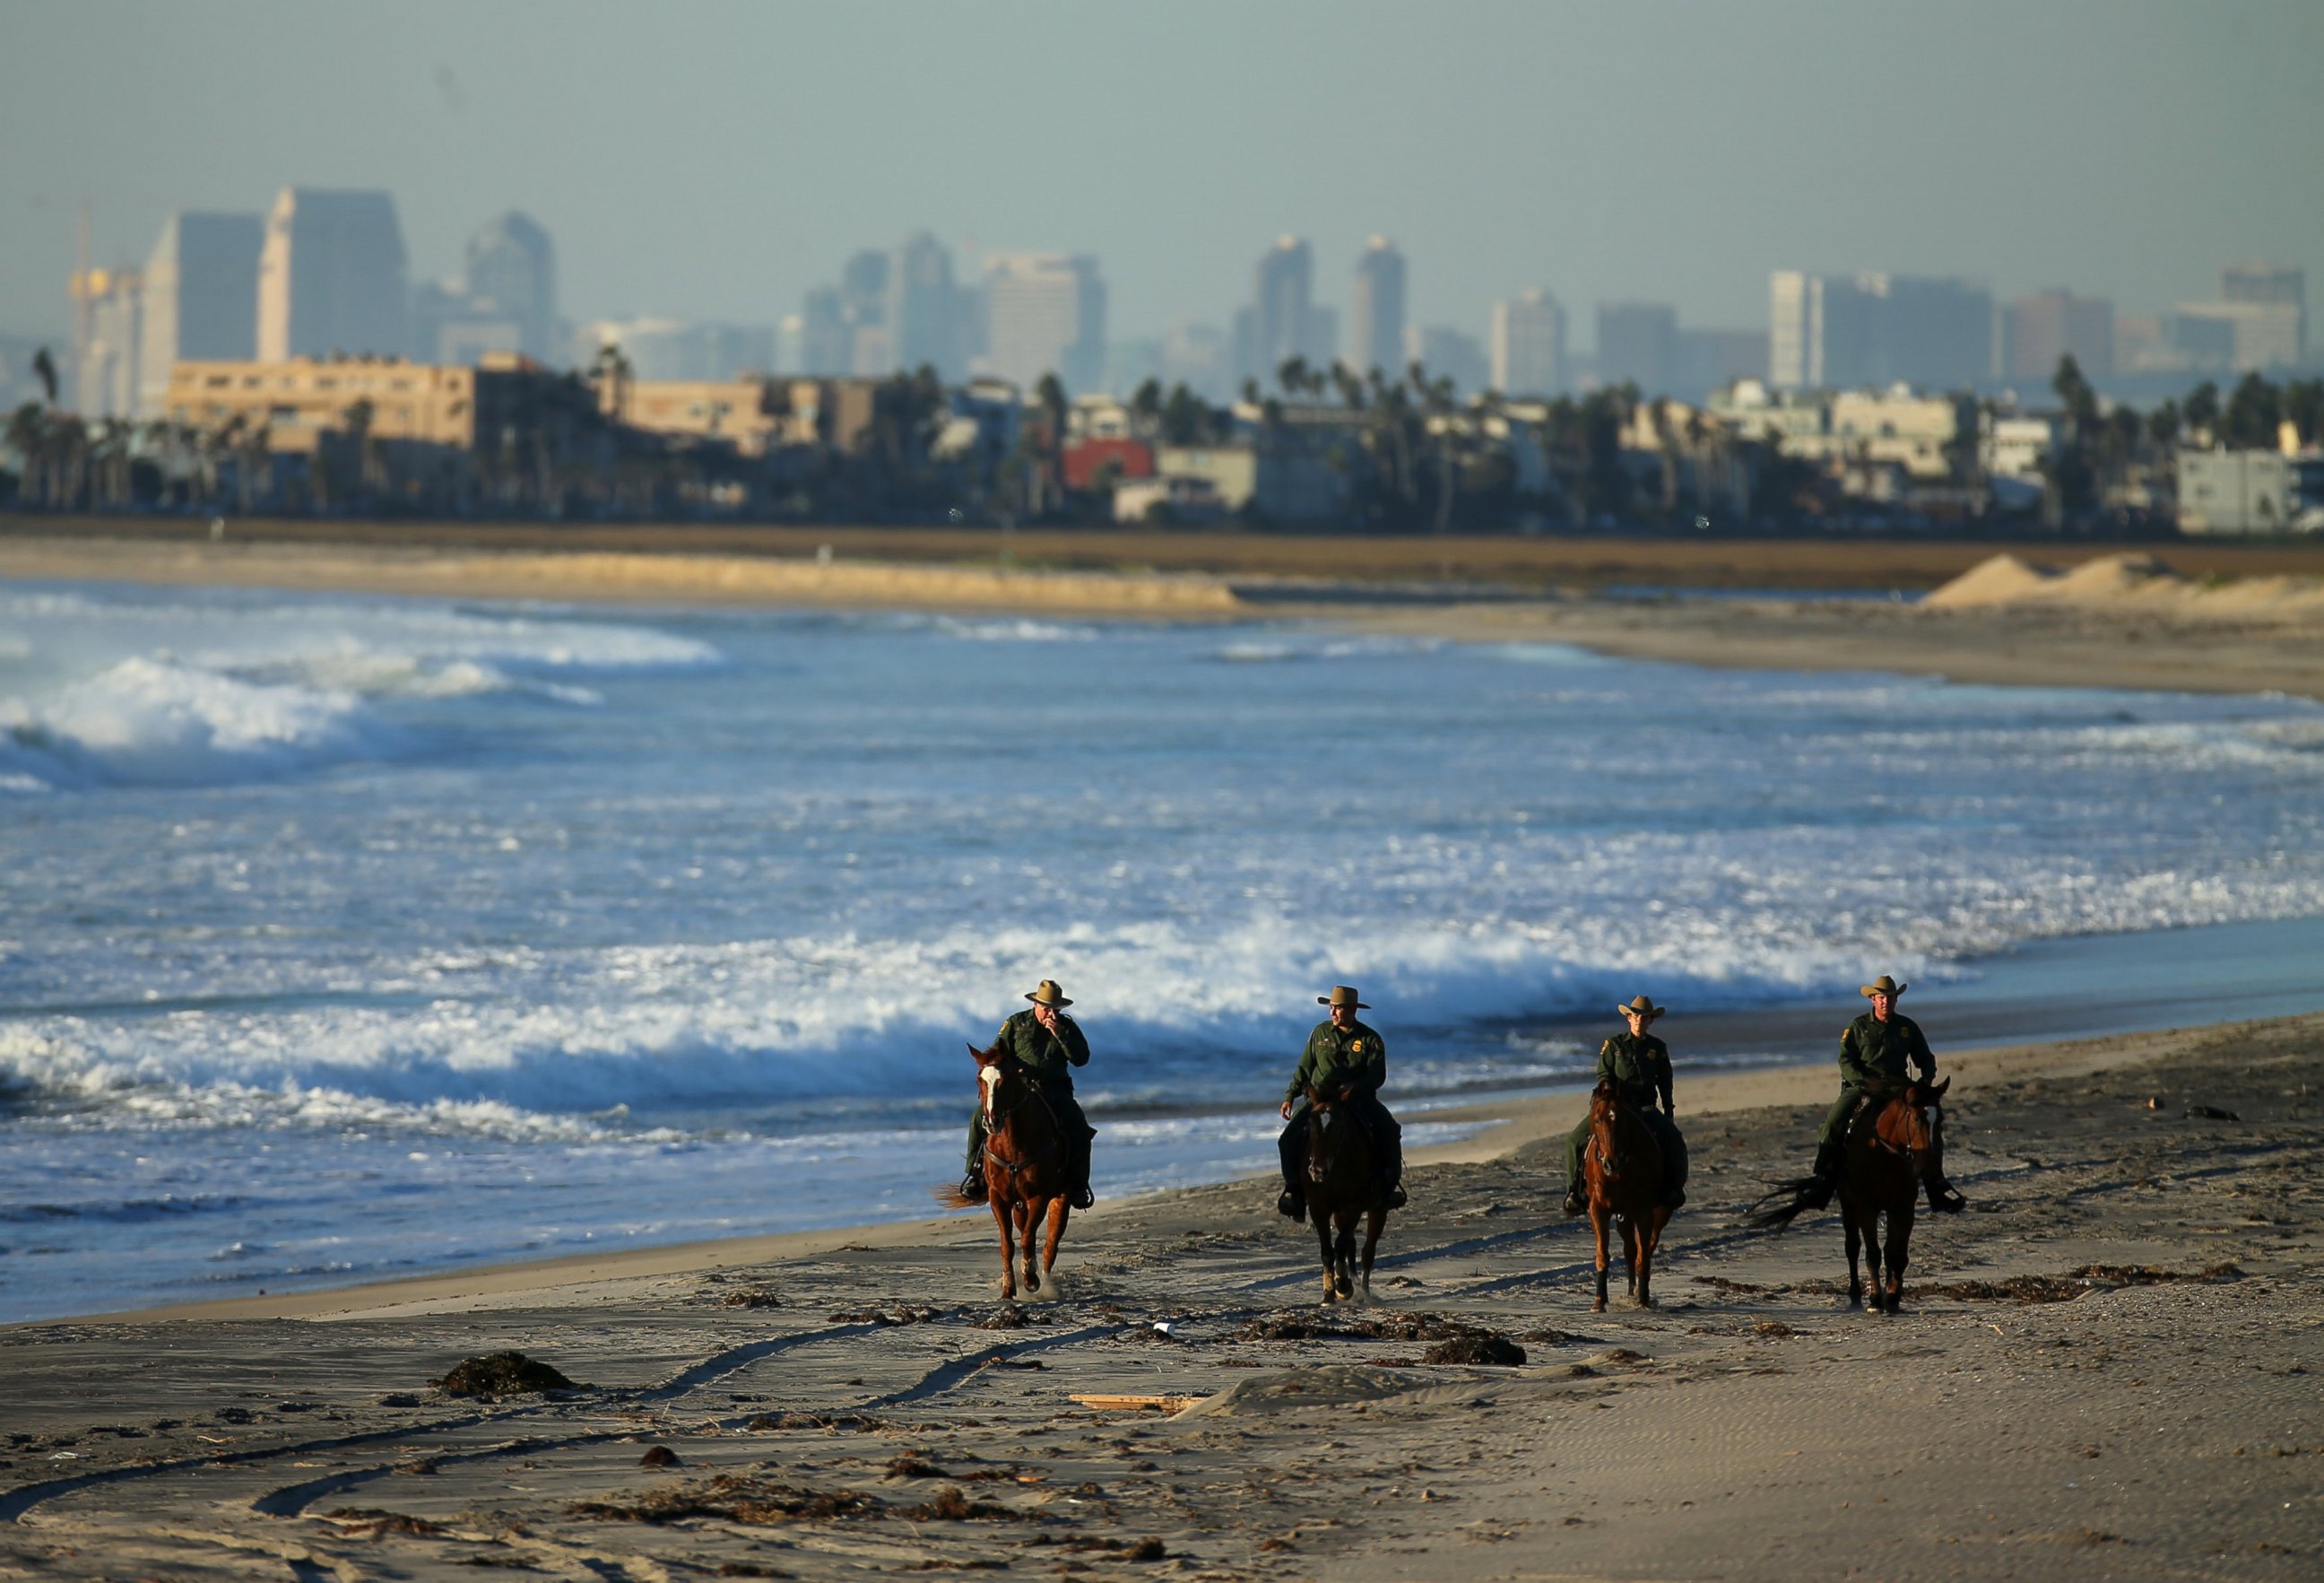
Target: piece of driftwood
[[1101, 1402]]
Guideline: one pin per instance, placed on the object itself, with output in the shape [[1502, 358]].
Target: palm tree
[[45, 366], [28, 436]]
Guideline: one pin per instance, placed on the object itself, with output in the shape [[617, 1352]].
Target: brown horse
[[1028, 1169], [1882, 1169], [1341, 1190], [1622, 1173], [1885, 1163]]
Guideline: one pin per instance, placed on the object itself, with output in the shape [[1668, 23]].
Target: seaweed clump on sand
[[503, 1374], [737, 1497], [1498, 1350]]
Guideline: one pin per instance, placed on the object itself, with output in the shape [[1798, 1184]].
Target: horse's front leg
[[1060, 1211], [1598, 1215], [1322, 1219], [1855, 1240], [1343, 1257], [1029, 1232], [1628, 1226], [1872, 1258], [1900, 1243], [1373, 1223], [1650, 1237], [999, 1202]]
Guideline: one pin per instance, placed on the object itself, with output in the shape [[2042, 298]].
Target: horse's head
[[996, 1070], [1909, 1124]]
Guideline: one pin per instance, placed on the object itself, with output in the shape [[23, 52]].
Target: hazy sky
[[715, 160]]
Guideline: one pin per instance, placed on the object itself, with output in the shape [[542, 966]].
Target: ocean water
[[345, 937]]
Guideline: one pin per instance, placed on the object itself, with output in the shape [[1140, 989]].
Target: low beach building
[[2251, 492]]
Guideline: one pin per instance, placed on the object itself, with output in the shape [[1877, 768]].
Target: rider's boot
[[972, 1186], [1392, 1177], [1944, 1198], [1292, 1203], [1574, 1203], [1824, 1177], [1081, 1197]]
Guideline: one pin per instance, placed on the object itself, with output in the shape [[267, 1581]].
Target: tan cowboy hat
[[1048, 995], [1884, 985], [1645, 1007], [1342, 996]]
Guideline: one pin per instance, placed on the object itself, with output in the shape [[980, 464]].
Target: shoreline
[[2132, 647], [1510, 1125], [2102, 1366]]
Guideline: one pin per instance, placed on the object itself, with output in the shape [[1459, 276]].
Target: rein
[[995, 1121]]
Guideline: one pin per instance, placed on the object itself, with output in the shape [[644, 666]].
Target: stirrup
[[1575, 1204], [1081, 1197], [1396, 1196], [1945, 1199], [1291, 1206], [974, 1187]]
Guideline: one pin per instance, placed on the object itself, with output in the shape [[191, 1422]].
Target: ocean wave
[[152, 722]]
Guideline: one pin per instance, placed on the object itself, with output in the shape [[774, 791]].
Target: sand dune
[[2132, 584]]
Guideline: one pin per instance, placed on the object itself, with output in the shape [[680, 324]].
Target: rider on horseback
[[1875, 1052], [1348, 1061], [1048, 1044], [1639, 1065]]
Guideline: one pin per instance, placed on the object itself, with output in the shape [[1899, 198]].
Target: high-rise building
[[331, 277], [670, 349], [1281, 316], [2050, 325], [1710, 360], [201, 297], [825, 342], [926, 312], [1877, 330], [1638, 344], [1375, 333], [512, 274], [105, 373], [1528, 345], [2267, 304], [1199, 357], [1448, 354], [1045, 314]]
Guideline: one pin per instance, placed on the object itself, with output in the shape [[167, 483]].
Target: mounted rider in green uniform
[[1345, 1059], [1049, 1045], [1638, 1065], [1879, 1052]]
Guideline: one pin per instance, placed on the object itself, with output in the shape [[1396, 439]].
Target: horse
[[1341, 1189], [1622, 1173], [1881, 1171], [1028, 1169]]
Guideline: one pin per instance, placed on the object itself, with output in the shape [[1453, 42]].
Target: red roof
[[1131, 458]]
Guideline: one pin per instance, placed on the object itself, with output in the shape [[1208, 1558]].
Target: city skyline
[[1620, 185]]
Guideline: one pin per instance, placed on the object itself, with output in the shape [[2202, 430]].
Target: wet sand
[[2107, 1368]]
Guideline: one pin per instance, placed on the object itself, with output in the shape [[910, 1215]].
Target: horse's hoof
[[1598, 1307]]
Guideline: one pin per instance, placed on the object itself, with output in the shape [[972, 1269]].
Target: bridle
[[994, 1120]]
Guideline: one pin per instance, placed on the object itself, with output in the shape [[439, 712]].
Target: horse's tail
[[1799, 1196], [951, 1197]]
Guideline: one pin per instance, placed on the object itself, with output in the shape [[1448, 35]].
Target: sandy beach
[[2104, 1369]]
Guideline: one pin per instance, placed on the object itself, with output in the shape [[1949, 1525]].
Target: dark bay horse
[[1881, 1173], [1341, 1190], [1028, 1169], [1622, 1173]]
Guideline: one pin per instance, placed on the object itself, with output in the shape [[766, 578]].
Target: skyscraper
[[1528, 345], [1281, 312], [512, 274], [331, 276], [1448, 354], [2051, 325], [2281, 292], [1876, 328], [1045, 314], [927, 313], [1638, 344], [1376, 335], [202, 296]]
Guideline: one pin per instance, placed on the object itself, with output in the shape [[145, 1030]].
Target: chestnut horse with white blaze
[[1622, 1175], [1028, 1167]]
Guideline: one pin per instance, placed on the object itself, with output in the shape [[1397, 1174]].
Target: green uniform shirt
[[1874, 1054], [1641, 1064], [1046, 1055], [1354, 1059]]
